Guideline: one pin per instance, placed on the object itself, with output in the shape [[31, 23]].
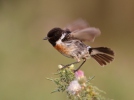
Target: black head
[[54, 35]]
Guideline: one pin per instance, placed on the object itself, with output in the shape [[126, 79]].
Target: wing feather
[[87, 34], [81, 30], [77, 25]]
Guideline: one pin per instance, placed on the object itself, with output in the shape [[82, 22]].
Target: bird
[[70, 42]]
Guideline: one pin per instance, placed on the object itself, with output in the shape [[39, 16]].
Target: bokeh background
[[26, 60]]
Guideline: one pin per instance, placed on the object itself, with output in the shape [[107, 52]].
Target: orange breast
[[62, 49]]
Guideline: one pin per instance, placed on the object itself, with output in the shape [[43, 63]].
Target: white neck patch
[[59, 41], [63, 35]]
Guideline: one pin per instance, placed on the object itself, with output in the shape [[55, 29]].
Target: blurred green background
[[26, 60]]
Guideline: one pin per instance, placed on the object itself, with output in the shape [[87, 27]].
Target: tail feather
[[99, 60], [106, 57], [102, 55], [105, 50]]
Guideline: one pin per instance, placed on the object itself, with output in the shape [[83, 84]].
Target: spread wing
[[87, 34], [81, 30], [77, 25]]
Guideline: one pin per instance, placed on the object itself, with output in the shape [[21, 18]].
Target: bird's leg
[[69, 64], [78, 60], [80, 65]]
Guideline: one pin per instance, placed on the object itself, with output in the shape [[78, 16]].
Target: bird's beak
[[46, 38]]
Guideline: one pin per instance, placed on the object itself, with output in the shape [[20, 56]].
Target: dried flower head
[[74, 87], [71, 67], [60, 66]]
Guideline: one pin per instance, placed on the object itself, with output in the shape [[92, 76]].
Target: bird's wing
[[81, 30], [87, 34], [76, 25]]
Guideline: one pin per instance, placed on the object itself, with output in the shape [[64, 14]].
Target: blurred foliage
[[25, 59]]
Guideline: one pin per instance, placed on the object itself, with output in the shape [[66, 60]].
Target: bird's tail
[[102, 55]]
